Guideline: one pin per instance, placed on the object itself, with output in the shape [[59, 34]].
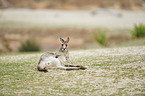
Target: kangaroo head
[[64, 44]]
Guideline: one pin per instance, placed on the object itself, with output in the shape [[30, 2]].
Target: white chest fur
[[62, 59]]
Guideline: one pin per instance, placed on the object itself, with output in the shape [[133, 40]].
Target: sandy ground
[[104, 18]]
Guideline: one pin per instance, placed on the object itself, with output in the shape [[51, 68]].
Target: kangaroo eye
[[66, 45], [61, 44]]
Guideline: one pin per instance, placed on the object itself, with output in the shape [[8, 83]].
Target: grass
[[138, 31], [112, 71], [101, 38], [29, 46]]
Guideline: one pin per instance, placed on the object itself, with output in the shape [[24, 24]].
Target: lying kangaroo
[[57, 60]]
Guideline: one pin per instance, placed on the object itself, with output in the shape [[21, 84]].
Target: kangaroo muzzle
[[64, 49]]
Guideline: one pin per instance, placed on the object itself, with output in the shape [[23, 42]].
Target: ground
[[96, 18], [111, 71]]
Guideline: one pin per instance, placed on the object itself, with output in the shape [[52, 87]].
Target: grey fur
[[57, 60]]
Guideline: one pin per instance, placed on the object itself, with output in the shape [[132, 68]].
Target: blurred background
[[36, 25]]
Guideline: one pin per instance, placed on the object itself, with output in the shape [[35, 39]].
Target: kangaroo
[[58, 60]]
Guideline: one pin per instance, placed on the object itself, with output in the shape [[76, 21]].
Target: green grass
[[111, 71], [101, 38], [138, 31], [29, 46]]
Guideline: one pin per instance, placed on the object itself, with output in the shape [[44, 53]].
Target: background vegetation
[[138, 31], [29, 46], [101, 38]]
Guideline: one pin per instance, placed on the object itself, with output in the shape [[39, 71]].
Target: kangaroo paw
[[83, 67]]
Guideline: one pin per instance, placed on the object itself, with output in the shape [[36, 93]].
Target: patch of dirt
[[48, 39]]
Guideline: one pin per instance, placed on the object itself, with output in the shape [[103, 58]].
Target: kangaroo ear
[[61, 40], [67, 39]]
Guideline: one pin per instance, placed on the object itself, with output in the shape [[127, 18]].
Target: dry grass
[[112, 71]]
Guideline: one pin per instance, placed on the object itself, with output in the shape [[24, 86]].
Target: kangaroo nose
[[63, 48]]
